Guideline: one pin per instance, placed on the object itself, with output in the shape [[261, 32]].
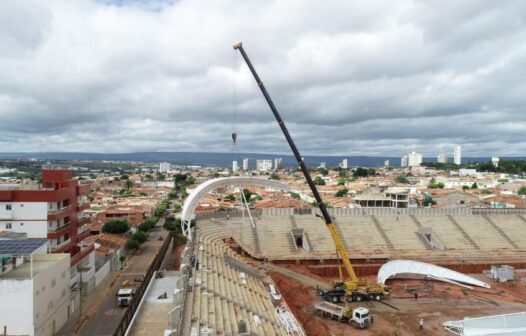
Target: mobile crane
[[352, 288]]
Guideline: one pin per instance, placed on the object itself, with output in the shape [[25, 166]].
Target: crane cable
[[234, 99]]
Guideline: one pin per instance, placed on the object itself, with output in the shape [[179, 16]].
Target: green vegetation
[[295, 195], [342, 192], [505, 166], [434, 185], [116, 227], [124, 177], [139, 236], [465, 187], [522, 190], [132, 244], [323, 171], [342, 181], [172, 194], [319, 181], [247, 194], [402, 179], [230, 197], [363, 172], [342, 173], [148, 224], [274, 176], [162, 207], [503, 180], [474, 185], [177, 207], [487, 191]]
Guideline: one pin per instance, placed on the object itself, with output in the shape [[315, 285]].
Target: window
[[21, 205], [53, 282], [8, 226], [8, 206]]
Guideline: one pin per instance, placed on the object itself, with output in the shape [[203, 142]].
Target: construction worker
[[421, 324]]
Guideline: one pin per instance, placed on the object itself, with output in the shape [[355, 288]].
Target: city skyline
[[335, 80]]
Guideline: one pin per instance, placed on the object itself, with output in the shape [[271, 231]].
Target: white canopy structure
[[210, 185], [412, 268], [496, 325]]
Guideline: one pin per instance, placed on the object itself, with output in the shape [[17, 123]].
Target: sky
[[377, 78]]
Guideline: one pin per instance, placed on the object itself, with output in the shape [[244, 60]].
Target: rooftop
[[40, 262]]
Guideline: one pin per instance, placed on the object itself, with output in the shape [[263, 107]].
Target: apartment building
[[35, 290], [53, 210]]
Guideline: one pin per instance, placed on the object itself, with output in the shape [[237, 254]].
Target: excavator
[[345, 290]]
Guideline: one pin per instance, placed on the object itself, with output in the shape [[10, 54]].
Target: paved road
[[109, 314]]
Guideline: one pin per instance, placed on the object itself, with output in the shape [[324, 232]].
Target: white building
[[495, 160], [414, 159], [264, 165], [164, 167], [442, 158], [323, 165], [245, 164], [344, 164], [235, 167], [36, 297], [278, 163], [386, 164], [403, 161], [457, 155]]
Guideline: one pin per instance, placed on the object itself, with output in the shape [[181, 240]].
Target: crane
[[351, 288]]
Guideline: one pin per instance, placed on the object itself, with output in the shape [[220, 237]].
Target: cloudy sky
[[349, 77]]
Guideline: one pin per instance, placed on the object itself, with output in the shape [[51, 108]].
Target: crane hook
[[234, 137]]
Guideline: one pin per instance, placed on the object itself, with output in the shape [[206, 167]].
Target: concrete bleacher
[[365, 236], [482, 232], [448, 233], [513, 226], [222, 296], [402, 232]]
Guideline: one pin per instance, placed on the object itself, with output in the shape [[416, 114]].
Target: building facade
[[414, 159], [264, 165], [278, 163], [54, 210], [235, 167], [442, 158], [457, 155], [403, 161], [164, 167], [344, 164], [245, 164]]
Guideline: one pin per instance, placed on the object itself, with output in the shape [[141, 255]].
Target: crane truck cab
[[124, 296], [361, 318]]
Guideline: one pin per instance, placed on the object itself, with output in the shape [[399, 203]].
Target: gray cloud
[[350, 77]]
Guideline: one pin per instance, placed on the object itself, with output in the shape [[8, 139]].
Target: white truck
[[359, 317], [126, 293]]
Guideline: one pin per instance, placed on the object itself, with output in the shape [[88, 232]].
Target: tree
[[116, 227], [295, 195], [132, 244], [401, 179], [128, 185], [124, 177], [341, 181], [465, 187], [522, 190], [140, 236], [247, 194], [342, 192], [274, 176], [342, 173], [360, 172], [319, 181], [474, 185], [323, 171]]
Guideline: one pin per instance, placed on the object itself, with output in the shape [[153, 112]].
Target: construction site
[[340, 271]]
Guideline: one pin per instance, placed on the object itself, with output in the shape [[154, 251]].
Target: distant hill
[[220, 159]]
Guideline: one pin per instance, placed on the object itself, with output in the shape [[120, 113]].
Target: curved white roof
[[403, 268], [204, 188]]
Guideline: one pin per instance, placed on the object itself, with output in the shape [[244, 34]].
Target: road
[[108, 315]]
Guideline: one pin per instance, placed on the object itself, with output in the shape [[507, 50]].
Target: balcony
[[82, 253], [56, 214], [82, 233], [6, 214], [61, 247], [59, 228]]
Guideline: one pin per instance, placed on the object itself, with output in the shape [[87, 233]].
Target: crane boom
[[325, 214]]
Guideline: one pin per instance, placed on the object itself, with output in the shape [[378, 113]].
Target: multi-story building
[[323, 165], [414, 159], [344, 164], [35, 290], [495, 160], [278, 163], [403, 161], [442, 158], [386, 163], [53, 210], [457, 155], [245, 164], [235, 167], [164, 167], [264, 165]]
